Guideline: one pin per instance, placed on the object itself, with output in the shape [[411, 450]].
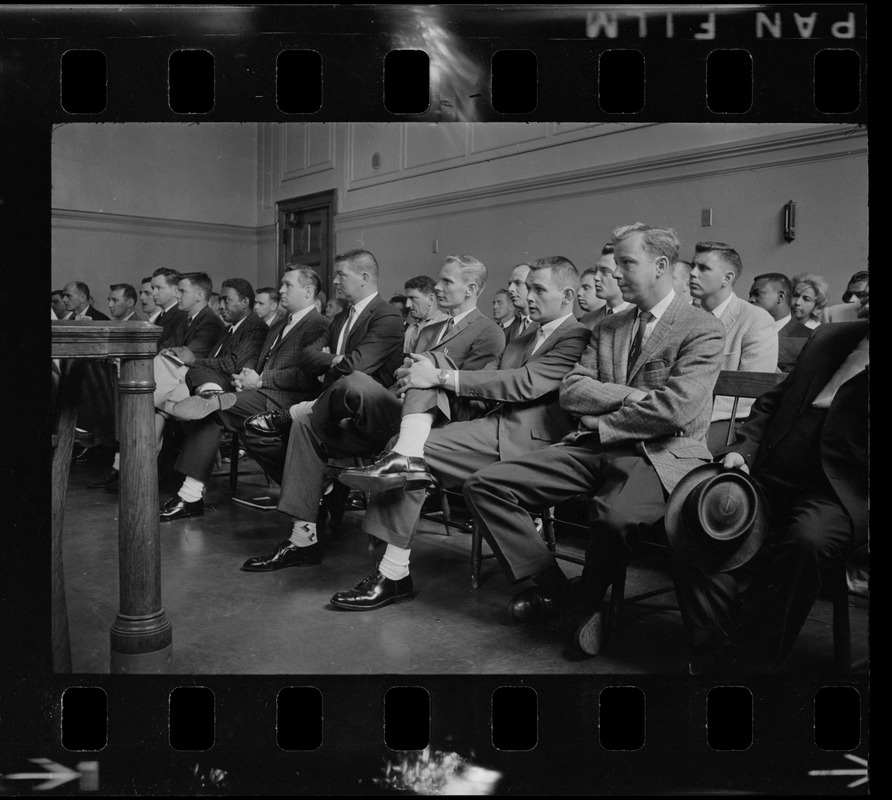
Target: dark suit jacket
[[790, 341], [240, 349], [524, 388], [92, 313], [512, 331], [845, 431], [473, 343], [168, 321], [374, 345], [200, 336], [279, 362], [677, 369]]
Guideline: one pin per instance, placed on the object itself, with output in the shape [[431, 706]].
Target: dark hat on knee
[[716, 518]]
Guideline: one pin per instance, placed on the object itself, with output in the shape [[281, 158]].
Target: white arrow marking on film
[[61, 774], [853, 784]]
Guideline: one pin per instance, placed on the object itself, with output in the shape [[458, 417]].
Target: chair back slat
[[737, 384]]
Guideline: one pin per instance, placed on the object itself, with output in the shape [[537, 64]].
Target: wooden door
[[306, 235]]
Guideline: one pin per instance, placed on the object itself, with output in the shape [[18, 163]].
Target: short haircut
[[307, 277], [818, 285], [145, 280], [588, 271], [501, 291], [657, 242], [778, 281], [607, 250], [398, 298], [473, 270], [359, 261], [273, 293], [129, 291], [201, 280], [171, 276], [420, 283], [243, 289], [563, 271], [55, 292], [859, 276], [81, 287], [727, 253]]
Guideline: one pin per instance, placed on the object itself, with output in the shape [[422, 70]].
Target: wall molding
[[71, 219], [768, 153]]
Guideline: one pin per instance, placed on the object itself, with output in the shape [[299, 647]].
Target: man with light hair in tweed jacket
[[642, 394]]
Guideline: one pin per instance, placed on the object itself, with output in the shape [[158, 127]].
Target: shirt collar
[[550, 327], [82, 313], [459, 317], [234, 327], [720, 308], [780, 324], [170, 306], [155, 314], [660, 308], [129, 316], [619, 308], [360, 305], [297, 316]]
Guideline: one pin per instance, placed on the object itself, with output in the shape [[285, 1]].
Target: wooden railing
[[141, 634]]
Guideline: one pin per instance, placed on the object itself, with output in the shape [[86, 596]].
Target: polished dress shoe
[[199, 407], [177, 508], [286, 554], [374, 592], [270, 423], [533, 604], [391, 471], [107, 478]]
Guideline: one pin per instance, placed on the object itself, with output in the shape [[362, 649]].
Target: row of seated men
[[525, 419]]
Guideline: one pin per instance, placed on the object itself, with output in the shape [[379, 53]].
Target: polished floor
[[230, 622]]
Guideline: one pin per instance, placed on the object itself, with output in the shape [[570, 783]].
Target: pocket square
[[657, 363]]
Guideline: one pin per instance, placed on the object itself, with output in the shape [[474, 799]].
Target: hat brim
[[676, 533]]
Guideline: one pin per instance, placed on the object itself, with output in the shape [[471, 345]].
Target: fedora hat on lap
[[716, 518]]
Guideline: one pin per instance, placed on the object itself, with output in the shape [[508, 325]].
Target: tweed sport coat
[[677, 368]]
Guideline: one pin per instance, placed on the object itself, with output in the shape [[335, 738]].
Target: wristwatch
[[443, 376]]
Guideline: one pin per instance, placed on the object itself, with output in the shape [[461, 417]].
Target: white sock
[[192, 490], [303, 534], [395, 563], [117, 465], [414, 430]]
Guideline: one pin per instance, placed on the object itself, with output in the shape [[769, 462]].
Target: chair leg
[[842, 633], [476, 555], [548, 528], [447, 511], [617, 606], [233, 464]]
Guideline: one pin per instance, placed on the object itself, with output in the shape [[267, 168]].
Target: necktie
[[537, 341], [635, 350], [345, 331], [857, 361], [447, 329], [281, 334], [609, 311], [223, 342], [524, 324]]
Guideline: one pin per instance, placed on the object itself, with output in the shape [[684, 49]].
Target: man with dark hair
[[517, 291], [121, 301], [642, 394], [849, 309], [214, 302], [606, 289], [364, 342], [275, 382], [150, 311], [750, 340], [266, 305], [421, 300], [165, 293], [198, 328], [76, 299], [503, 309], [521, 387], [237, 348], [772, 291], [57, 305], [398, 301]]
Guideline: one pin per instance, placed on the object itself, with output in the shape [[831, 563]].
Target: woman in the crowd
[[811, 293]]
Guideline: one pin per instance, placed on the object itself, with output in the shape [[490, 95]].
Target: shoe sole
[[182, 516], [403, 598], [366, 483], [197, 407], [243, 568], [588, 634]]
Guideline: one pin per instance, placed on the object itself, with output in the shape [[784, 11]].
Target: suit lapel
[[731, 312], [547, 344], [359, 322], [459, 326], [622, 341]]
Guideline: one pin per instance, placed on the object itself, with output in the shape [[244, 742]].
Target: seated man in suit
[[606, 289], [642, 393], [150, 311], [59, 310], [76, 300], [517, 291], [521, 416], [848, 310], [421, 300], [356, 415], [275, 381], [237, 348], [165, 293], [502, 309], [266, 305], [121, 302], [750, 340], [806, 444], [772, 291]]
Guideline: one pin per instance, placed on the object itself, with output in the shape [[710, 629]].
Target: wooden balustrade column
[[141, 637]]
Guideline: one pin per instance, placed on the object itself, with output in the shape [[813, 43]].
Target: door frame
[[308, 202]]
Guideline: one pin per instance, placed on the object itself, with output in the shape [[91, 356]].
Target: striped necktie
[[635, 350]]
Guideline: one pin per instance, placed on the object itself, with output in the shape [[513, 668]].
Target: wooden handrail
[[141, 635]]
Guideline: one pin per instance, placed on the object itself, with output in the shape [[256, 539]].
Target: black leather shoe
[[198, 407], [107, 478], [285, 555], [177, 508], [533, 605], [391, 471], [270, 423], [374, 592]]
